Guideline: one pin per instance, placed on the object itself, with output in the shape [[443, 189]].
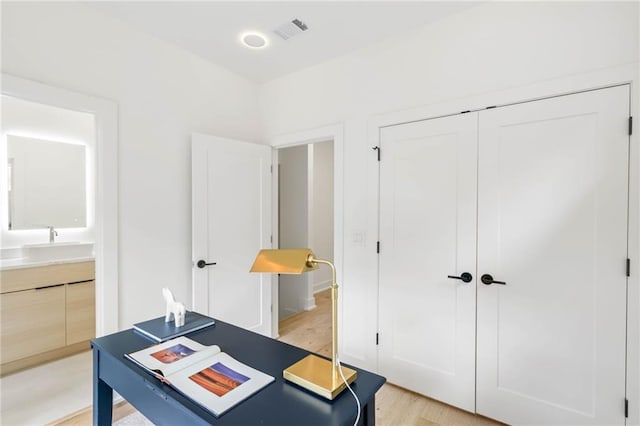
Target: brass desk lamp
[[312, 372]]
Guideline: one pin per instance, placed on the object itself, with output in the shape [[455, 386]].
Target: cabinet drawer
[[33, 321], [40, 276], [81, 319]]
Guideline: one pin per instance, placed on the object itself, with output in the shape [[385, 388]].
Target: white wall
[[490, 47], [293, 206], [492, 53], [164, 94]]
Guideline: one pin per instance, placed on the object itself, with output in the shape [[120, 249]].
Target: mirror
[[46, 160], [46, 183]]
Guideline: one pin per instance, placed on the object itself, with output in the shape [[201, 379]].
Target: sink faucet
[[52, 234]]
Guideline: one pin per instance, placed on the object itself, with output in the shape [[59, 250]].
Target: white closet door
[[427, 232], [552, 224]]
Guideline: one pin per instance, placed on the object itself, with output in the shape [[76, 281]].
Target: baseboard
[[286, 313], [121, 409], [309, 304], [321, 286], [42, 358]]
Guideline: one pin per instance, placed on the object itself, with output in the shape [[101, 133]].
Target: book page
[[173, 355], [220, 382]]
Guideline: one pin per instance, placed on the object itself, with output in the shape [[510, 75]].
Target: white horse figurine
[[175, 309]]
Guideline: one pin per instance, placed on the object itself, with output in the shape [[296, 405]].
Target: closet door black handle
[[465, 277], [488, 280], [201, 264]]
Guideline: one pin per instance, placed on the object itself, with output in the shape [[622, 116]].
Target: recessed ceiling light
[[254, 40]]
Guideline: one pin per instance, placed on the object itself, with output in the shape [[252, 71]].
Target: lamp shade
[[284, 261]]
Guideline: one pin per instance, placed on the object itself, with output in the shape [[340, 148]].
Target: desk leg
[[369, 412], [102, 395]]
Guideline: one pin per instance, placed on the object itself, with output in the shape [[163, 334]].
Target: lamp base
[[315, 374]]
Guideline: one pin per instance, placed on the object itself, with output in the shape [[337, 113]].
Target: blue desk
[[280, 403]]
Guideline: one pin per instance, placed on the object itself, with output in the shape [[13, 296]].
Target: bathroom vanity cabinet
[[46, 312]]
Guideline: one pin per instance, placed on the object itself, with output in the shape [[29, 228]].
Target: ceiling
[[212, 29]]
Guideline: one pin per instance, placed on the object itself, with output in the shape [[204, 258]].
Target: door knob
[[488, 280], [201, 264], [465, 277]]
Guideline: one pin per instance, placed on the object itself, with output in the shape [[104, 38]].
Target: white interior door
[[553, 226], [231, 210], [427, 232]]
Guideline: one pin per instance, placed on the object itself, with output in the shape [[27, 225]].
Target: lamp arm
[[334, 315], [326, 262]]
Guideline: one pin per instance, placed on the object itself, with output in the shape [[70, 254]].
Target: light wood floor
[[312, 331]]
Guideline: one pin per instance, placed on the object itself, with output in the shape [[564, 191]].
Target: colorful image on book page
[[219, 379], [172, 354]]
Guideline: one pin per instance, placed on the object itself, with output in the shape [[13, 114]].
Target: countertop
[[24, 262]]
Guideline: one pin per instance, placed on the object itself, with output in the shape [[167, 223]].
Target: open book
[[208, 376]]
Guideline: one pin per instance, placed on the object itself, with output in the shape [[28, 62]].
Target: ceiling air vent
[[290, 29]]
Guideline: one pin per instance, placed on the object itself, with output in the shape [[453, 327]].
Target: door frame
[[334, 133], [614, 76], [106, 185]]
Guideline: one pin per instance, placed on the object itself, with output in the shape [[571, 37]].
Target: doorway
[[105, 232], [334, 133], [106, 181], [305, 219]]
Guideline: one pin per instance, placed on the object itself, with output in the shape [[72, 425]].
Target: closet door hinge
[[378, 247], [377, 339], [377, 148], [628, 267], [626, 408], [630, 126]]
